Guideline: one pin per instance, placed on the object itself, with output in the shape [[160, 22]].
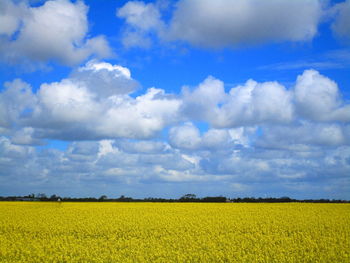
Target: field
[[179, 232]]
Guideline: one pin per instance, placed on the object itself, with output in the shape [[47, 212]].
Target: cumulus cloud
[[255, 103], [64, 105], [244, 105], [116, 166], [120, 138], [26, 136], [142, 19], [314, 97], [105, 79], [215, 139], [201, 103], [318, 98], [296, 136], [15, 99], [139, 14], [55, 31], [219, 24], [14, 152], [341, 24], [93, 103], [151, 147], [83, 117], [10, 16], [188, 137], [256, 133], [142, 117], [97, 101], [230, 23], [185, 137]]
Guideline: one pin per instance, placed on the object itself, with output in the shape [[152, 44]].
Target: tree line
[[185, 198]]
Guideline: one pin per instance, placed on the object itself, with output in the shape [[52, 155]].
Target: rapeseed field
[[174, 232]]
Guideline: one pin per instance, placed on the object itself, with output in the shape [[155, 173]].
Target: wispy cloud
[[341, 55], [303, 65], [334, 59]]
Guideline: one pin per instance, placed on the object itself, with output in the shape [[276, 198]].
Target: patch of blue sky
[[54, 144]]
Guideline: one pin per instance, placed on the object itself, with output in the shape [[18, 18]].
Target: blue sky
[[164, 98]]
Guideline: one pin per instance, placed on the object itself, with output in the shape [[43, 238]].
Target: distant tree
[[188, 198], [285, 199], [124, 198], [102, 198], [53, 197]]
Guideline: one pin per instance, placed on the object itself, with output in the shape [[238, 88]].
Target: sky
[[239, 98]]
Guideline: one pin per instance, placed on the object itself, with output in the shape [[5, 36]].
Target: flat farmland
[[174, 232]]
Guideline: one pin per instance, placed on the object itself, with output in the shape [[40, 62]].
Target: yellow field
[[187, 232]]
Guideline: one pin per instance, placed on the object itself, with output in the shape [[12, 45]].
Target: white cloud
[[141, 19], [188, 137], [118, 71], [105, 79], [105, 147], [140, 15], [201, 103], [56, 30], [12, 152], [238, 163], [94, 103], [83, 149], [230, 23], [180, 176], [151, 147], [107, 165], [314, 97], [298, 136], [318, 98], [136, 39], [341, 24], [171, 161], [64, 103], [255, 103], [10, 15], [217, 139], [225, 23], [142, 117], [319, 65], [25, 136], [15, 99], [185, 137]]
